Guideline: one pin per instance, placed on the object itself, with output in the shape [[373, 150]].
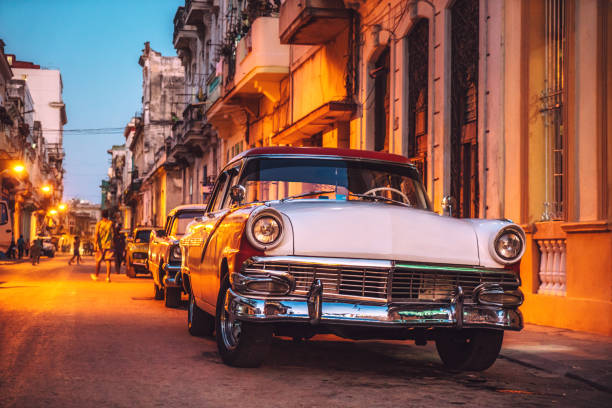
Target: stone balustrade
[[552, 266]]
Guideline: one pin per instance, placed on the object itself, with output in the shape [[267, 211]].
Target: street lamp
[[46, 189], [18, 168], [61, 207], [52, 212]]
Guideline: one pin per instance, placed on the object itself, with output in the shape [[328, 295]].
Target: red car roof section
[[322, 151]]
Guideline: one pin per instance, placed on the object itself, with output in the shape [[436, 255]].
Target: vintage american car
[[164, 258], [300, 241], [137, 251]]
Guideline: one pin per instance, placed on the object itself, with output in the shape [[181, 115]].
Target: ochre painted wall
[[587, 305]]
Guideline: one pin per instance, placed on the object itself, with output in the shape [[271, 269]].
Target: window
[[552, 108], [3, 214], [380, 73], [418, 70], [190, 187]]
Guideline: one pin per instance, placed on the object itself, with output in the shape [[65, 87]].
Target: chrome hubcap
[[230, 330]]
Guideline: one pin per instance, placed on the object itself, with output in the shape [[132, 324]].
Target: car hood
[[357, 229]]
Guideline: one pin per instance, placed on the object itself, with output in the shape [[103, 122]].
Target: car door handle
[[8, 230]]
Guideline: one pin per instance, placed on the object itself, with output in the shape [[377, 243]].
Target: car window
[[3, 214], [233, 179], [167, 226], [143, 236], [181, 220], [219, 191]]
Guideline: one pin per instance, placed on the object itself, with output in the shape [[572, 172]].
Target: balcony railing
[[312, 22], [195, 10], [183, 32], [55, 151]]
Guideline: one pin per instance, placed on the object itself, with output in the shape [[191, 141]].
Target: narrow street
[[67, 341]]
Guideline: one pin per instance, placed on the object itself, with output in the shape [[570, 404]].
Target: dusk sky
[[95, 45]]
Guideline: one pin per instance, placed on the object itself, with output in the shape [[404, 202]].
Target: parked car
[[137, 251], [6, 227], [300, 241], [164, 259], [48, 247]]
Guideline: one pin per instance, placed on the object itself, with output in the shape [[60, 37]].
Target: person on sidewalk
[[75, 251], [20, 246], [104, 245]]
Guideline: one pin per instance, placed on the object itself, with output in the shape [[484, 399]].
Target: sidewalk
[[581, 356]]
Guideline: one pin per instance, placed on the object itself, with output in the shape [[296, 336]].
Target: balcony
[[55, 151], [191, 134], [183, 33], [312, 22], [195, 10], [261, 61]]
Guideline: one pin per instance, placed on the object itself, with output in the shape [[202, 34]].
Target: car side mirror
[[238, 193], [448, 205]]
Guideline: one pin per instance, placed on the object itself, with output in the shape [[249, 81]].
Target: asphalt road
[[66, 341]]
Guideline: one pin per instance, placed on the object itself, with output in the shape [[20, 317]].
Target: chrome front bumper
[[316, 310], [173, 276]]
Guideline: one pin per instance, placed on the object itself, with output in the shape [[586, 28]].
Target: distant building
[[162, 84], [24, 104], [46, 87], [82, 217]]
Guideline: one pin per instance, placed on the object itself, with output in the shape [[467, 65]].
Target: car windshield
[[268, 179], [143, 236], [182, 220]]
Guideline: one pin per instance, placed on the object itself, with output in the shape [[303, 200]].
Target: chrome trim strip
[[338, 262], [362, 314]]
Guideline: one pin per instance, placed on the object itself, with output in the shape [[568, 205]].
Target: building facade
[[163, 82], [30, 103]]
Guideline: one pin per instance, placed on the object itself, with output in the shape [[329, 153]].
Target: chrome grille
[[344, 281], [410, 284], [417, 283]]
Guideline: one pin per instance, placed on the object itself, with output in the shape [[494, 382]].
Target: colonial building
[[502, 105], [24, 100], [162, 84], [195, 145]]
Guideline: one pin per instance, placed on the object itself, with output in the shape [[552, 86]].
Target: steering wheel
[[393, 190]]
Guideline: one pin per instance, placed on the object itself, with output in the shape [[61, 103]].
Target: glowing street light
[[46, 189], [18, 168], [61, 207], [52, 212]]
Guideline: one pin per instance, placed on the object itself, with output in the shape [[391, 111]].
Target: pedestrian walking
[[75, 251], [104, 245], [11, 250], [35, 251], [119, 249], [20, 246], [27, 248]]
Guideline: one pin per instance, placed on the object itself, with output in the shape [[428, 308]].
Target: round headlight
[[509, 245], [175, 253], [266, 230]]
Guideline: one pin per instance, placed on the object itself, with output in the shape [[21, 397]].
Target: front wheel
[[469, 349], [199, 323], [241, 344], [172, 296]]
